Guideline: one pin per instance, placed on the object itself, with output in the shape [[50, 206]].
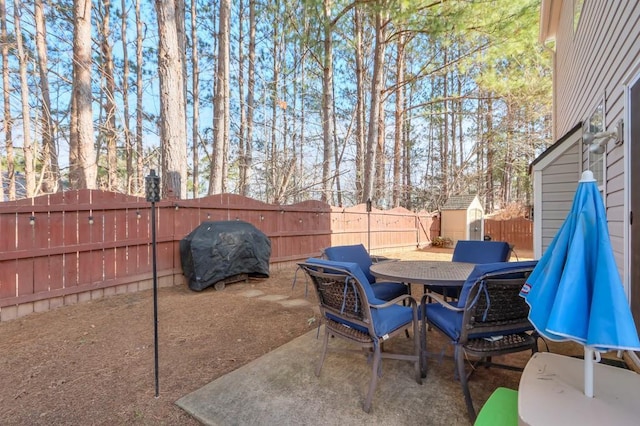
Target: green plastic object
[[501, 409]]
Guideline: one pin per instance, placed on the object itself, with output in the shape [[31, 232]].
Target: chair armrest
[[375, 258], [438, 298], [395, 301]]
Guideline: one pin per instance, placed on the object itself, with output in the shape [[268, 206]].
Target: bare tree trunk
[[381, 160], [490, 197], [407, 152], [86, 159], [296, 139], [195, 89], [327, 103], [139, 187], [172, 103], [360, 121], [49, 158], [217, 181], [250, 97], [128, 143], [6, 98], [444, 147], [109, 104], [374, 111], [507, 168], [242, 165], [399, 120], [271, 151], [27, 145], [74, 152], [303, 93], [180, 10]]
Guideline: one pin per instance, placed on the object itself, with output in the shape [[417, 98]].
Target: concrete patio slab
[[280, 388]]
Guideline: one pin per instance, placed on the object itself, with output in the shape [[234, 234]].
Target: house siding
[[558, 184], [591, 68]]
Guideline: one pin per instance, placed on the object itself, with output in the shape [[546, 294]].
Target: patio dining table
[[425, 272]]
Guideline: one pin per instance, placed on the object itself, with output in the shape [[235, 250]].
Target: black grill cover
[[215, 251]]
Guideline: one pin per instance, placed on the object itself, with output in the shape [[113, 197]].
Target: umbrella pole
[[590, 358]]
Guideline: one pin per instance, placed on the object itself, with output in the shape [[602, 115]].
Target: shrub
[[442, 242]]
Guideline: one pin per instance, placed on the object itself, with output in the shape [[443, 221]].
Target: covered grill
[[221, 252]]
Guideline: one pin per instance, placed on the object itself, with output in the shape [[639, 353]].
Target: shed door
[[475, 224], [634, 152]]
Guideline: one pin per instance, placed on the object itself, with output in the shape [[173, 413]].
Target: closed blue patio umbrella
[[575, 291]]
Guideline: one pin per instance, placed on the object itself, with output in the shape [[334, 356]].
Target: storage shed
[[462, 218]]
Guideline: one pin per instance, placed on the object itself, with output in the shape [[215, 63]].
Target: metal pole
[[153, 195], [155, 295]]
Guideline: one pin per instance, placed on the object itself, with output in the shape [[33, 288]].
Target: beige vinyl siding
[[591, 68], [559, 182]]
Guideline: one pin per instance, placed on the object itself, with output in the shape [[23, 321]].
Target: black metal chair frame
[[493, 308], [342, 295]]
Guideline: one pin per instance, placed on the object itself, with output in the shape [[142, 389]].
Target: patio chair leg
[[487, 362], [374, 379], [462, 376], [324, 352], [418, 352], [534, 348], [423, 348]]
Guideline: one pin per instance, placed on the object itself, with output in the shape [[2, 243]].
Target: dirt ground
[[93, 363]]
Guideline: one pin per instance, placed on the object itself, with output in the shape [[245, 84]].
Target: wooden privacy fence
[[517, 231], [79, 245]]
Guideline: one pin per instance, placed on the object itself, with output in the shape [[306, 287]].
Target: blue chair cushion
[[358, 254], [473, 251], [388, 290], [444, 319], [354, 253], [490, 268], [449, 321], [355, 270], [385, 320]]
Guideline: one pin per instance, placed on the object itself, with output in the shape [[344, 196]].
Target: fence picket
[[88, 240]]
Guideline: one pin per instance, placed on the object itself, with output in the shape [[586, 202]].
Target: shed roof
[[458, 202]]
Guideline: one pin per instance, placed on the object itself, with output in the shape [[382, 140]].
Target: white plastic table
[[551, 393]]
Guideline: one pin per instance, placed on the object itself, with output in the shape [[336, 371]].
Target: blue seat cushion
[[355, 270], [383, 291], [385, 320], [479, 271], [473, 251], [388, 290], [450, 323], [354, 253]]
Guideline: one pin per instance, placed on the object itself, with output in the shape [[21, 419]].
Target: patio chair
[[351, 311], [473, 251], [478, 252], [357, 253], [489, 319]]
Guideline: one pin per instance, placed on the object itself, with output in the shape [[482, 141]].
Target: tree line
[[403, 103]]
